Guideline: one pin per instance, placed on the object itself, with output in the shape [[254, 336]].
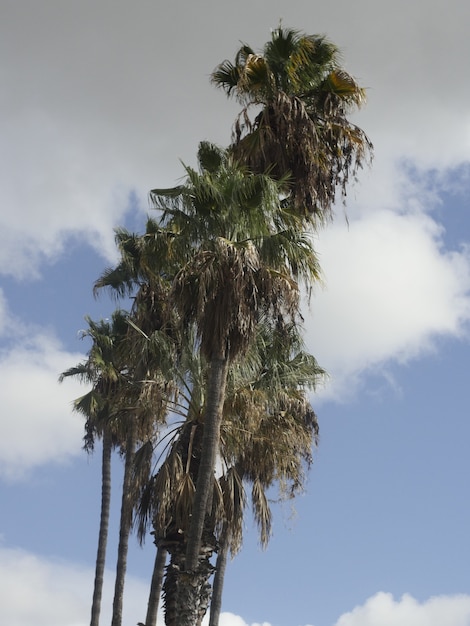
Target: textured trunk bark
[[218, 584], [190, 577], [103, 532], [156, 587], [125, 527], [186, 596], [170, 585], [210, 447]]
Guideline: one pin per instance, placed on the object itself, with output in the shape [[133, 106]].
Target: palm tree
[[302, 97], [142, 410], [265, 407], [167, 495], [245, 256], [102, 370], [121, 403], [143, 405]]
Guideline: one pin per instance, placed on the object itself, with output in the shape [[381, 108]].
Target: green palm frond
[[90, 404], [118, 280], [226, 76], [210, 157], [83, 371], [143, 518]]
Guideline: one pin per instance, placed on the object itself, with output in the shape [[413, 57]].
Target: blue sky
[[100, 102]]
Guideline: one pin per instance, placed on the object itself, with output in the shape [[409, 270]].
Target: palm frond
[[262, 511]]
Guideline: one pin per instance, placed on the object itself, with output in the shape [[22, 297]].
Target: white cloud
[[383, 610], [35, 591], [38, 425], [86, 119], [5, 320], [70, 189], [391, 289], [229, 619]]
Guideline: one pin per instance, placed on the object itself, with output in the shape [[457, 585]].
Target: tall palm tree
[[266, 407], [245, 256], [167, 495], [102, 370], [302, 98], [143, 405], [143, 410]]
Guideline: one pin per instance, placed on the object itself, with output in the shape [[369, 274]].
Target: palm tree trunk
[[104, 523], [171, 585], [218, 584], [186, 596], [210, 447], [156, 586], [192, 587], [125, 526]]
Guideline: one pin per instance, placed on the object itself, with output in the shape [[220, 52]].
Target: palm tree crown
[[302, 129], [240, 252]]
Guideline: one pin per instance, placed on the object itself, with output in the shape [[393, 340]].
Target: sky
[[100, 102]]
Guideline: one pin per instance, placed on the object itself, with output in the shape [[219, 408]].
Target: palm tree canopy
[[302, 129], [103, 369], [241, 253]]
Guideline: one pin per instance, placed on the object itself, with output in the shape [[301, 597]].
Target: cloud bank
[[96, 110]]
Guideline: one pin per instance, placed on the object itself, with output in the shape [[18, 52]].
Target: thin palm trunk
[[218, 584], [125, 526], [104, 524], [156, 586]]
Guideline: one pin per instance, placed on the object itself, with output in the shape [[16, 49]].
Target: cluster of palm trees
[[203, 386]]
